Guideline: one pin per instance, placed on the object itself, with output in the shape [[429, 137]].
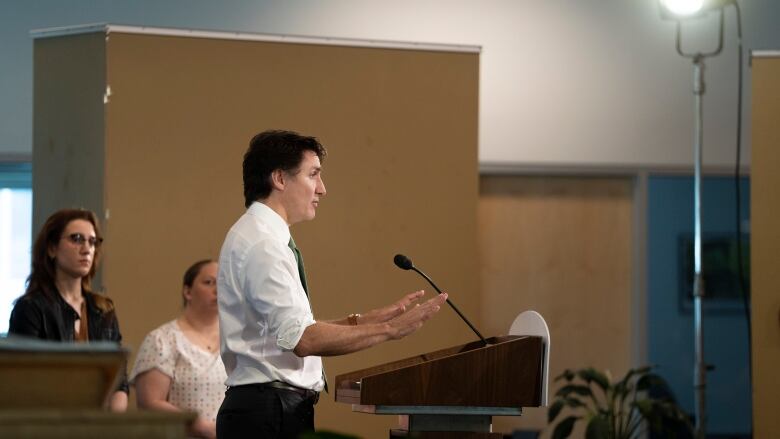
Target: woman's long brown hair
[[43, 275]]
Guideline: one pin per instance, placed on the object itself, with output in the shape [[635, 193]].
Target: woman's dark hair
[[43, 273], [272, 150], [191, 274]]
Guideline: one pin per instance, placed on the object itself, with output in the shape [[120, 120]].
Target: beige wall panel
[[68, 135], [401, 175], [562, 247], [765, 242]]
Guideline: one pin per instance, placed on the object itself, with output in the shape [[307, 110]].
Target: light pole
[[679, 10]]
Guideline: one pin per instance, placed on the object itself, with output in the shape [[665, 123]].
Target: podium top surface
[[505, 373]]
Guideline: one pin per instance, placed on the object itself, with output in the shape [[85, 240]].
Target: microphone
[[405, 263]]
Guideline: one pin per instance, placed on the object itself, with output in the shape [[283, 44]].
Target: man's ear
[[278, 179]]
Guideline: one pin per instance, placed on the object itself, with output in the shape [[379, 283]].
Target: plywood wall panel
[[563, 247], [68, 134], [401, 175], [765, 242]]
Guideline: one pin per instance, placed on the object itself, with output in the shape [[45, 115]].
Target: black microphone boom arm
[[405, 263]]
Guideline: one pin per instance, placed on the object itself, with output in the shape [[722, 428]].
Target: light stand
[[700, 368]]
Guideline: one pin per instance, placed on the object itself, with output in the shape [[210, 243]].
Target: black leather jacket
[[35, 315]]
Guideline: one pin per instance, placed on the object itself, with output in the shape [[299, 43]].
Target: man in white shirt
[[271, 344]]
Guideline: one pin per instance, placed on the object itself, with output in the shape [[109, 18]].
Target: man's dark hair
[[272, 150]]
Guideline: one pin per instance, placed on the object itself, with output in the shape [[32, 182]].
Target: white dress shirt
[[263, 308]]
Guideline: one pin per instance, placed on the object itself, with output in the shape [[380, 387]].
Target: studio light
[[682, 9]]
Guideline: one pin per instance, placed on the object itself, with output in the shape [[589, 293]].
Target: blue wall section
[[670, 325]]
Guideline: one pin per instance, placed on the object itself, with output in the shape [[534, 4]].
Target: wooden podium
[[54, 390], [452, 392]]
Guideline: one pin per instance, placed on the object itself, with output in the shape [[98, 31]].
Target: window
[[15, 234]]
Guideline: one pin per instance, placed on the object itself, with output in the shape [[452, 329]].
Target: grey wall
[[589, 82]]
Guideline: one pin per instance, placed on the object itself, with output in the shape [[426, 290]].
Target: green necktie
[[302, 273], [299, 260]]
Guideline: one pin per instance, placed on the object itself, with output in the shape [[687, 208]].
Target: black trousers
[[255, 411]]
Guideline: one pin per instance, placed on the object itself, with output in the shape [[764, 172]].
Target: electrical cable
[[743, 286]]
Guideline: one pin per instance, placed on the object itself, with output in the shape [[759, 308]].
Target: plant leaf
[[598, 428], [667, 416], [567, 374], [574, 402], [564, 428], [645, 407], [624, 387], [652, 381], [592, 375], [657, 416], [554, 410], [631, 372], [643, 370], [577, 389]]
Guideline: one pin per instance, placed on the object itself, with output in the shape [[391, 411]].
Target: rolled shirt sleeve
[[275, 293]]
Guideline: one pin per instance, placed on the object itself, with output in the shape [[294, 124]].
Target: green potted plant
[[620, 410]]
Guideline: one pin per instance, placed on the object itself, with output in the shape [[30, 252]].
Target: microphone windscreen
[[403, 262]]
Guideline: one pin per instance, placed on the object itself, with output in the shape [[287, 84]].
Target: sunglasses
[[79, 239]]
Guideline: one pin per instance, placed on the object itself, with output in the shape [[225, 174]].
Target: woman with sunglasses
[[59, 304]]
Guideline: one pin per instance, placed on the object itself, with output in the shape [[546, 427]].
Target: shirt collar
[[273, 220], [88, 299]]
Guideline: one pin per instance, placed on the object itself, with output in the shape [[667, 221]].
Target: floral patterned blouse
[[197, 375]]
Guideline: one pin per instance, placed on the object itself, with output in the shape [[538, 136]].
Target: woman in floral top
[[178, 367]]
